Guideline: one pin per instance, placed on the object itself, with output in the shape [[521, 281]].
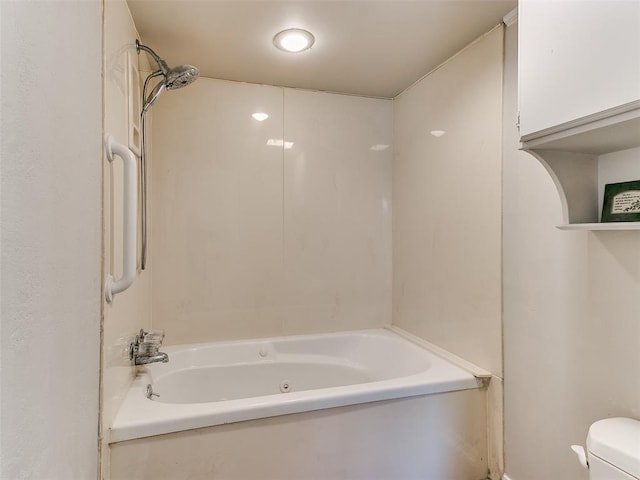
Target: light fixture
[[437, 133], [259, 116], [293, 40]]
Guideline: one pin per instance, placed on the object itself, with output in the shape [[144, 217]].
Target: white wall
[[446, 205], [130, 310], [51, 150], [571, 310], [253, 240]]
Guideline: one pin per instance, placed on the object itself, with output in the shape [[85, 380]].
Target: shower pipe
[[129, 218]]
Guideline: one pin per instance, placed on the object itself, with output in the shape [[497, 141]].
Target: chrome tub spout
[[159, 357]]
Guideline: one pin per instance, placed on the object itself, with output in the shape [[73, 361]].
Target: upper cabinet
[[576, 59], [579, 99]]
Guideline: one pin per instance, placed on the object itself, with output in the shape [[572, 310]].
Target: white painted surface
[[51, 149], [257, 240], [446, 205], [212, 384], [374, 48], [428, 437], [571, 308], [578, 57]]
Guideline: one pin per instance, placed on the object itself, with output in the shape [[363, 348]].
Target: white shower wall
[[251, 239], [447, 194]]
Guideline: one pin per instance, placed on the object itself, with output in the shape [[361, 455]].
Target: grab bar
[[130, 218]]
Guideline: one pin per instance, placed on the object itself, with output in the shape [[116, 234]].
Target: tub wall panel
[[337, 212], [217, 229], [254, 240], [446, 205], [439, 436]]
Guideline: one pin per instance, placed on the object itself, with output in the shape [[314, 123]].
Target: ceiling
[[365, 47]]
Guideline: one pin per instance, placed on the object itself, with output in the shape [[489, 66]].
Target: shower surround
[[275, 227], [280, 227]]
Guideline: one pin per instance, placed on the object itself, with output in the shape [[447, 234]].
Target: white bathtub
[[219, 383]]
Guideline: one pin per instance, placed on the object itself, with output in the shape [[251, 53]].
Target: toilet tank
[[613, 449]]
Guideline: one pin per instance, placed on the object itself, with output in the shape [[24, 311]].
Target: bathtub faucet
[[144, 349]]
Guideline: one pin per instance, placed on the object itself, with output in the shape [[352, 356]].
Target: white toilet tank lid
[[617, 441]]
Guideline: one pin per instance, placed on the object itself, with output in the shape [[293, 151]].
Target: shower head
[[174, 78], [181, 76]]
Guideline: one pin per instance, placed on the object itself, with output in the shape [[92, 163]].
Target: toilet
[[613, 450]]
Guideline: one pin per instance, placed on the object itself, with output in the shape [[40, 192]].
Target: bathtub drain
[[285, 387]]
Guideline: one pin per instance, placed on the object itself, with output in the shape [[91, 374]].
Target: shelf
[[605, 132], [583, 155], [601, 226]]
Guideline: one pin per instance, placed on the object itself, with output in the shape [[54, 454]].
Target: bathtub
[[210, 384]]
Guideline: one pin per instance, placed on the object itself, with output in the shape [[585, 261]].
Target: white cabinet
[[576, 59], [579, 99]]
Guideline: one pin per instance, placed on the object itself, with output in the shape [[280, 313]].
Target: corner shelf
[[571, 154]]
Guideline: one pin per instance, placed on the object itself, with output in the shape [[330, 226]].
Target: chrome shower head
[[174, 78], [181, 76]]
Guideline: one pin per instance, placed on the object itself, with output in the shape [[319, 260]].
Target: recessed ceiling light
[[293, 40], [259, 116], [437, 133]]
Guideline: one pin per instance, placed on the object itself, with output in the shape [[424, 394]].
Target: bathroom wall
[[571, 310], [50, 205], [130, 310], [253, 239], [446, 204]]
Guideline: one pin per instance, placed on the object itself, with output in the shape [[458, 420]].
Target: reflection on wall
[[273, 226]]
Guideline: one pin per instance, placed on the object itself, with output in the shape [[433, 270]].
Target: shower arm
[[164, 68]]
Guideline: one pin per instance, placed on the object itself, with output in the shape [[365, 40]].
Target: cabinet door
[[576, 58]]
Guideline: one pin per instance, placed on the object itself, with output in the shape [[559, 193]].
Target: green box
[[621, 202]]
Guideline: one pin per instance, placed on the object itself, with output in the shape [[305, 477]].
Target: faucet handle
[[153, 337], [147, 349]]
